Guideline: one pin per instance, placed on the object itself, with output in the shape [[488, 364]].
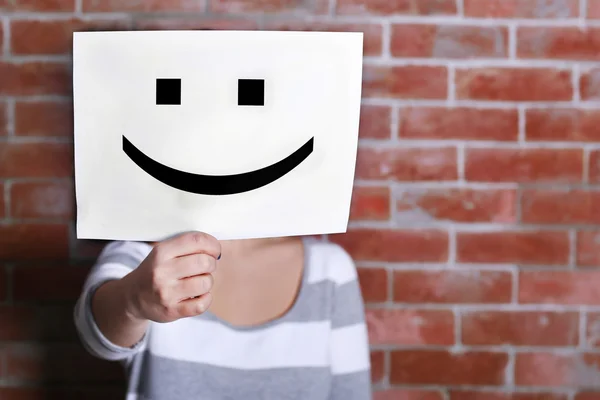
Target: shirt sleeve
[[350, 362], [116, 260]]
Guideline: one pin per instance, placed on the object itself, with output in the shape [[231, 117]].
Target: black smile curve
[[217, 184]]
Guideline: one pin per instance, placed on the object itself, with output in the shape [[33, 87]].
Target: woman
[[286, 319]]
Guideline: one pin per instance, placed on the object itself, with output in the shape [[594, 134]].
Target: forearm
[[110, 305]]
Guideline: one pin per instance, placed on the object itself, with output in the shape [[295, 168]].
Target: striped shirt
[[318, 350]]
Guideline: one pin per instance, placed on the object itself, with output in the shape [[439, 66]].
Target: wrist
[[130, 300]]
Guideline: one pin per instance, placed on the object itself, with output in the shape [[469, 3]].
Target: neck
[[236, 247]]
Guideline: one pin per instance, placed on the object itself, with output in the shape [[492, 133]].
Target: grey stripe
[[354, 386], [348, 306], [165, 379]]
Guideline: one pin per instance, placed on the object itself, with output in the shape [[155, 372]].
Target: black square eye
[[251, 92], [168, 91]]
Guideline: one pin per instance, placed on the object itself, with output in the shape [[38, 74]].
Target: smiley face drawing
[[240, 134], [250, 93]]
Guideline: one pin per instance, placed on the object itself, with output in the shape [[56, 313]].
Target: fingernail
[[218, 258]]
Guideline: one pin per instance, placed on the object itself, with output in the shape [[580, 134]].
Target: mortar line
[[582, 329], [522, 124], [572, 248]]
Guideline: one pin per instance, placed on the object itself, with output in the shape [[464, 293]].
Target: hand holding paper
[[175, 280]]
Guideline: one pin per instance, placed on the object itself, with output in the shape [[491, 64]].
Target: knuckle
[[204, 284], [157, 280], [208, 283], [198, 238], [203, 304], [169, 313], [159, 252], [162, 295], [205, 262]]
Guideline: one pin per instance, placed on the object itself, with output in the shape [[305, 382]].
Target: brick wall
[[476, 216]]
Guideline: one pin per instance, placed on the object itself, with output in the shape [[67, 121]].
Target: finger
[[193, 287], [188, 243], [195, 306], [191, 265]]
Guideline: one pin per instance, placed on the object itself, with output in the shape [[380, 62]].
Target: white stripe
[[349, 349], [136, 249], [89, 332], [285, 345], [330, 262], [106, 272], [131, 396]]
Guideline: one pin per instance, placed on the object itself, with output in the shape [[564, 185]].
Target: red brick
[[40, 118], [514, 84], [370, 203], [568, 43], [35, 78], [459, 123], [2, 203], [559, 287], [143, 6], [592, 333], [58, 363], [110, 392], [3, 119], [562, 125], [410, 327], [87, 249], [407, 164], [452, 286], [3, 287], [449, 41], [407, 394], [520, 328], [372, 38], [34, 241], [42, 199], [594, 166], [459, 205], [54, 36], [375, 122], [488, 395], [522, 9], [560, 206], [36, 160], [377, 366], [48, 283], [587, 395], [20, 323], [37, 5], [395, 245], [405, 82], [593, 9], [552, 369], [524, 165], [588, 248], [525, 247], [262, 6], [446, 368], [187, 23], [388, 7], [589, 84], [373, 284]]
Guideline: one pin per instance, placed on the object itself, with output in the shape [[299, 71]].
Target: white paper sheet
[[312, 89]]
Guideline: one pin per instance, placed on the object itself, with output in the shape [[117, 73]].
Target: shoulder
[[329, 261]]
